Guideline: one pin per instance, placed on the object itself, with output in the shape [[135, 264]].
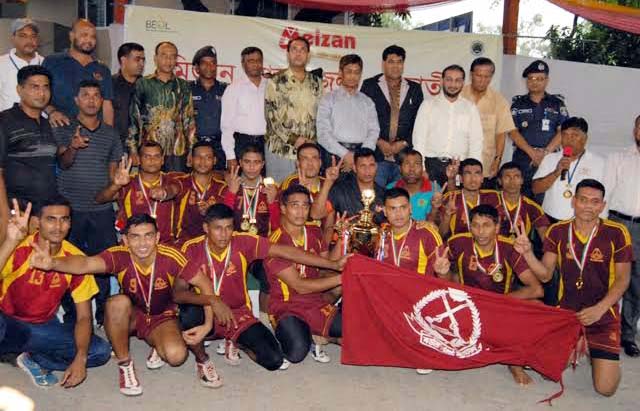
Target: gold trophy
[[362, 236]]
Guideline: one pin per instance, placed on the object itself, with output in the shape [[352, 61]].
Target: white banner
[[427, 52]]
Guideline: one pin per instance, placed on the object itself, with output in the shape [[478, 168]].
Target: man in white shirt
[[24, 37], [243, 122], [560, 172], [448, 126], [623, 168]]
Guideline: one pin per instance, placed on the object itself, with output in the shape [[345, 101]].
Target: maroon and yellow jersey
[[34, 296], [169, 262], [193, 201], [458, 223], [132, 200], [530, 213], [610, 244], [415, 249], [267, 215], [280, 292], [314, 190], [467, 265], [244, 249]]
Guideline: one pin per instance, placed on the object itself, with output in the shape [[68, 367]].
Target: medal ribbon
[[398, 253], [152, 209], [199, 194], [571, 173], [217, 281], [466, 208], [249, 205], [585, 251], [152, 278], [496, 255], [514, 222]]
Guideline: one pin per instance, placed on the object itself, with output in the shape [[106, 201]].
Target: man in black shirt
[[27, 147], [131, 59]]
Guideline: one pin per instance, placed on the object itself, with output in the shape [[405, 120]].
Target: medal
[[154, 207], [303, 267], [585, 252], [466, 209], [249, 206], [512, 223], [200, 194], [268, 181], [253, 229], [498, 277], [146, 297], [244, 226], [397, 254], [495, 273], [215, 278], [567, 193], [148, 319]]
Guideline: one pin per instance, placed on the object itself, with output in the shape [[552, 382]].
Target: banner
[[427, 52], [394, 317]]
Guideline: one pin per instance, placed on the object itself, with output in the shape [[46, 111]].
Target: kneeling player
[[485, 260], [296, 303], [146, 271]]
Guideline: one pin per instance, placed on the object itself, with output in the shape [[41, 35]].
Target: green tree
[[398, 20]]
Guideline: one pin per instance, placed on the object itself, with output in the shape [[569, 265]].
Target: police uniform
[[537, 122]]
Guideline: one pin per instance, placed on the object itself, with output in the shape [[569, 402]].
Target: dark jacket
[[408, 109]]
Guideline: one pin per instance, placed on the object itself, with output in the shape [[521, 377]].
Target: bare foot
[[520, 376]]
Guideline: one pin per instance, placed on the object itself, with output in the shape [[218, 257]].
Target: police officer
[[207, 101], [537, 116]]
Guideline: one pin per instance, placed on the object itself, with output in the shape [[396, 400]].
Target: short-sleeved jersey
[[611, 244], [244, 249], [538, 122], [263, 213], [418, 248], [34, 296], [168, 264], [463, 258], [280, 292], [189, 218], [314, 191], [458, 223], [530, 213], [131, 201]]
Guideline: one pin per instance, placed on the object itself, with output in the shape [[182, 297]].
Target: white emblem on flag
[[448, 322]]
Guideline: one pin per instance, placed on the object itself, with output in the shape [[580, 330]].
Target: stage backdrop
[[427, 52]]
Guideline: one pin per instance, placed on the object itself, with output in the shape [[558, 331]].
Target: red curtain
[[361, 6]]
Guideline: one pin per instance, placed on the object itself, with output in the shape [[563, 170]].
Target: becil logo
[[318, 39], [158, 25]]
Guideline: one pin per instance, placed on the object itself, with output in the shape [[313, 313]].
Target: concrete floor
[[314, 386]]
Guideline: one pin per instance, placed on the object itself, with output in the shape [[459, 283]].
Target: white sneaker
[[220, 350], [231, 353], [318, 354], [154, 361], [423, 371], [207, 374], [207, 343], [129, 383], [285, 365]]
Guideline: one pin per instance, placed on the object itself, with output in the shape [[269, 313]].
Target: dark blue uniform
[[207, 107], [538, 123]]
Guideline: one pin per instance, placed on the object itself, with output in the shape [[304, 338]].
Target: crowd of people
[[182, 191]]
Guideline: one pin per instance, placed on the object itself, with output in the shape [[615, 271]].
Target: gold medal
[[567, 193], [253, 229], [498, 277], [244, 226], [148, 319], [579, 283]]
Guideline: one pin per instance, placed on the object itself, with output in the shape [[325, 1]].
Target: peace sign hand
[[442, 265], [521, 244], [122, 176], [451, 207], [436, 199], [332, 173], [232, 178], [78, 141], [41, 258], [18, 225]]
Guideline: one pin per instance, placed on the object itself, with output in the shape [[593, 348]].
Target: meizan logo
[[318, 39], [158, 25]]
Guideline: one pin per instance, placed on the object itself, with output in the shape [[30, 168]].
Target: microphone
[[566, 152]]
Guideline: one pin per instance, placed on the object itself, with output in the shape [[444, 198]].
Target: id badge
[[546, 124]]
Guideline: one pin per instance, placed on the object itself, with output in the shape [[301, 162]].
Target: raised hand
[[271, 190], [18, 224], [41, 258], [451, 207], [122, 176], [58, 119], [78, 141], [438, 195], [332, 173], [452, 169], [232, 178], [442, 265], [522, 244], [563, 164]]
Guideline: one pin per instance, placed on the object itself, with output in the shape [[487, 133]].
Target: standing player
[[455, 212], [483, 259], [297, 305], [594, 258], [149, 192], [146, 271]]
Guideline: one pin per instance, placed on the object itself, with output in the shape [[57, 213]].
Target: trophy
[[362, 236]]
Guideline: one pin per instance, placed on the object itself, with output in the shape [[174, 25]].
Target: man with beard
[[88, 154], [448, 126], [162, 111], [207, 94], [131, 58], [69, 68], [624, 208]]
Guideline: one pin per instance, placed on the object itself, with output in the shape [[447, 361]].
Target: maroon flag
[[407, 320]]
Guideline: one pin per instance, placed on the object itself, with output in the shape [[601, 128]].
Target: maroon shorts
[[244, 318], [603, 340], [317, 313], [145, 324]]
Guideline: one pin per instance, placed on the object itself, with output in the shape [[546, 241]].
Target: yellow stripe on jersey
[[127, 204], [181, 209], [285, 290], [287, 181], [86, 290], [188, 243], [275, 236], [8, 267], [625, 232], [120, 277], [243, 263], [422, 260], [13, 275], [460, 268], [508, 277], [173, 253], [612, 266]]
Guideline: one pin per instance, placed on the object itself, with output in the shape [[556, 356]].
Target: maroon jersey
[[134, 199], [267, 215], [530, 213], [467, 265], [280, 292], [458, 223], [314, 191], [169, 262], [193, 201], [610, 244], [243, 249], [414, 250]]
